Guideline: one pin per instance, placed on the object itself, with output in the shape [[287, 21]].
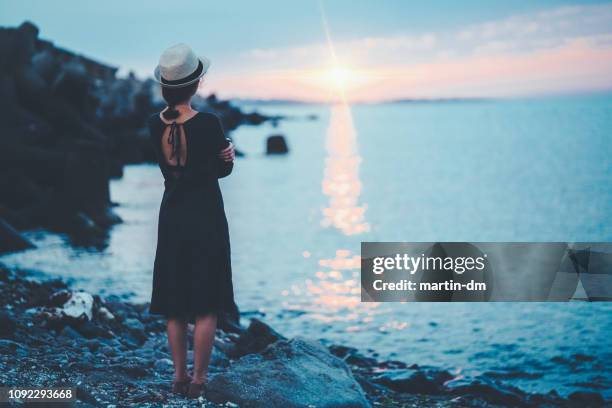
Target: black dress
[[192, 271]]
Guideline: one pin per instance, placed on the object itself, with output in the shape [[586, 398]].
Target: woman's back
[[168, 148], [190, 144]]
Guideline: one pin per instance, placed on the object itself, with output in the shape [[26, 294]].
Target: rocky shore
[[70, 124], [115, 354]]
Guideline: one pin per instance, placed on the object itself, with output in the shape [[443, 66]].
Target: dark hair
[[174, 96]]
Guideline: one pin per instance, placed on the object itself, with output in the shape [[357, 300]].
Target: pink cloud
[[561, 50]]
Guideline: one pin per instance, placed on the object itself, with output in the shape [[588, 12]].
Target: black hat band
[[194, 75]]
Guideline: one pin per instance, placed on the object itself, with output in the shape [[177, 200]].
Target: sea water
[[508, 170]]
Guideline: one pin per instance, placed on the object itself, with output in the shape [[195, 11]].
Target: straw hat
[[179, 66]]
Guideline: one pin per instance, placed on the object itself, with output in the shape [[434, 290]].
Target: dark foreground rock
[[11, 240], [115, 354], [289, 373]]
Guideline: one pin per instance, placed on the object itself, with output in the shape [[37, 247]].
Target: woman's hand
[[228, 153]]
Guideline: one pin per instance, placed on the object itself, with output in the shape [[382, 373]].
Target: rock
[[73, 85], [105, 315], [288, 373], [276, 144], [229, 321], [163, 365], [8, 347], [134, 324], [70, 333], [134, 370], [11, 240], [79, 306], [136, 329], [352, 356], [51, 317], [414, 381], [93, 345], [149, 396], [494, 392], [7, 325], [587, 399], [59, 298], [46, 65], [91, 331], [84, 394], [256, 338], [218, 359], [109, 351]]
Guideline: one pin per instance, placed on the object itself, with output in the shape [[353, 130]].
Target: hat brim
[[205, 65]]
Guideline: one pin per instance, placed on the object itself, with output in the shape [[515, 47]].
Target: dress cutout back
[[174, 146]]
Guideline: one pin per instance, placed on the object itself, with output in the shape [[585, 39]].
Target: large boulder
[[11, 240], [288, 373], [254, 339], [414, 381]]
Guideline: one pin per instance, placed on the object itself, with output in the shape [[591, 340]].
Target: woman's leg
[[177, 340], [203, 340]]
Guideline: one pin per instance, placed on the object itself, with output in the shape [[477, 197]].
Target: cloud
[[557, 50]]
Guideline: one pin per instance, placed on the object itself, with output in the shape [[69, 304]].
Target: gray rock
[[276, 144], [7, 325], [83, 393], [10, 347], [11, 240], [218, 359], [414, 381], [108, 351], [163, 365], [93, 345], [494, 392], [59, 298], [79, 306], [105, 315], [90, 331], [132, 368], [288, 373], [134, 324], [587, 399], [256, 338], [70, 333]]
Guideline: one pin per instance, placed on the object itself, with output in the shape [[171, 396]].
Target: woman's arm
[[225, 160], [225, 149]]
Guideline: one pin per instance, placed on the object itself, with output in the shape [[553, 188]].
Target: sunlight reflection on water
[[335, 286], [341, 177]]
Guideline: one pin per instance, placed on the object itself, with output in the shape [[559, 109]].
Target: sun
[[337, 80], [340, 77]]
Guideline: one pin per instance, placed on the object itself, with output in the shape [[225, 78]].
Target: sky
[[360, 50]]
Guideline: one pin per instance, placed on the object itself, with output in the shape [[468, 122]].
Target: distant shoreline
[[433, 101]]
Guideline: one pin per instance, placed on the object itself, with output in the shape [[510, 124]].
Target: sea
[[537, 169]]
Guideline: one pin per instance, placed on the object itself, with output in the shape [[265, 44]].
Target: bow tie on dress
[[174, 139]]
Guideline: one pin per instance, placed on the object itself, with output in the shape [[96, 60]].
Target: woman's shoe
[[195, 390], [181, 387]]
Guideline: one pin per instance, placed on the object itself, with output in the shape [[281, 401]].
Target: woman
[[192, 278]]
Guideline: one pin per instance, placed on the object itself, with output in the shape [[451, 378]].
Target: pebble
[[70, 333], [163, 364], [7, 325]]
